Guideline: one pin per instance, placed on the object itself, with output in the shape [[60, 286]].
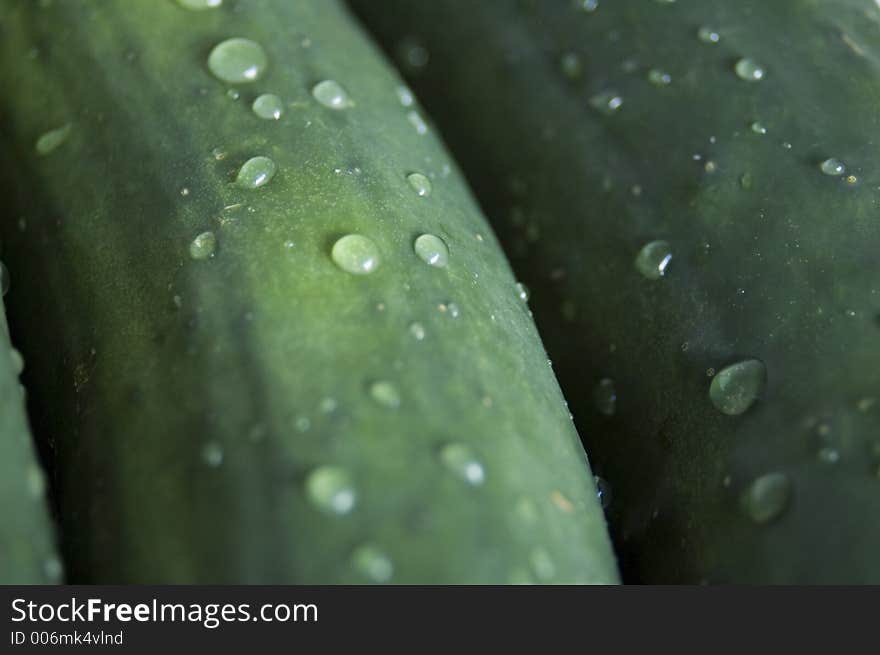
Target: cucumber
[[261, 369], [27, 539], [706, 130]]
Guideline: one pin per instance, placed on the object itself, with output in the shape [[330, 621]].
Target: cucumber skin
[[137, 385], [27, 533], [798, 243]]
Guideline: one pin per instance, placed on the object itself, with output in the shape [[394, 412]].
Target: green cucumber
[[590, 130], [227, 402], [27, 539]]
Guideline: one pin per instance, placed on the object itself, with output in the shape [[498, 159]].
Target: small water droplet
[[417, 331], [588, 6], [52, 139], [238, 60], [330, 94], [268, 106], [658, 77], [828, 455], [759, 128], [461, 460], [356, 254], [212, 454], [653, 259], [607, 102], [331, 490], [4, 279], [415, 119], [405, 96], [605, 396], [749, 70], [522, 291], [736, 387], [432, 250], [255, 172], [832, 167], [203, 246], [766, 497], [372, 563], [385, 394], [707, 35], [199, 4], [328, 405], [571, 65], [603, 491], [420, 184]]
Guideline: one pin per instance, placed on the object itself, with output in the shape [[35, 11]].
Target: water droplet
[[603, 491], [767, 497], [199, 4], [653, 259], [4, 279], [356, 254], [331, 490], [255, 172], [212, 454], [587, 5], [238, 60], [736, 387], [328, 405], [749, 70], [542, 564], [417, 331], [708, 35], [385, 393], [571, 65], [203, 246], [372, 563], [413, 54], [416, 120], [405, 96], [268, 106], [605, 396], [331, 94], [302, 423], [832, 167], [759, 128], [828, 455], [420, 184], [658, 77], [522, 291], [432, 250], [606, 102], [53, 569], [52, 139], [461, 460]]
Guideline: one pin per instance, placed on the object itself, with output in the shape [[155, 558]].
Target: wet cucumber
[[709, 130], [250, 364], [27, 540]]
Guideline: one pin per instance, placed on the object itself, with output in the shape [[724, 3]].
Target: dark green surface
[[140, 357], [771, 259], [27, 534]]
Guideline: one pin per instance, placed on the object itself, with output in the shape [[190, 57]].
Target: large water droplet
[[420, 184], [255, 172], [749, 70], [767, 497], [385, 393], [238, 60], [203, 246], [606, 102], [52, 139], [331, 94], [432, 250], [605, 396], [462, 461], [372, 563], [707, 35], [331, 490], [356, 254], [653, 259], [198, 5], [832, 166], [268, 106], [212, 454], [4, 279], [735, 387]]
